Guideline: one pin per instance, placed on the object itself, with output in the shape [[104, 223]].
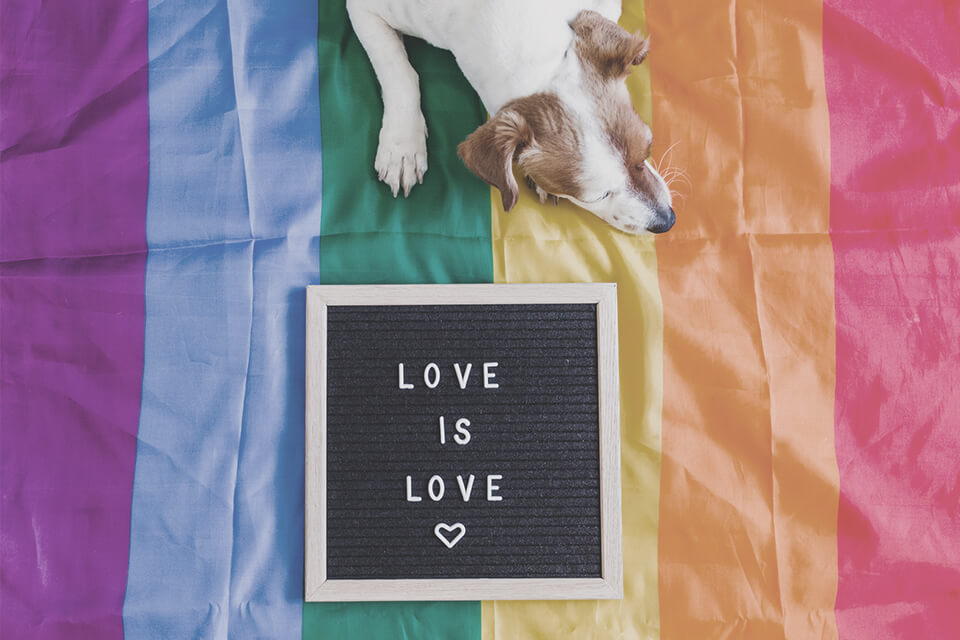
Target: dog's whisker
[[668, 158], [677, 182], [675, 170], [674, 174], [670, 178], [665, 154], [678, 179]]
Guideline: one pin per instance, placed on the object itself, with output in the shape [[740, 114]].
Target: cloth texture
[[174, 174]]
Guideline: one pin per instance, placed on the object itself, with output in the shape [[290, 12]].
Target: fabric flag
[[174, 174]]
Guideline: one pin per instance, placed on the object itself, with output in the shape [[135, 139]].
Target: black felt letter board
[[536, 430], [462, 442]]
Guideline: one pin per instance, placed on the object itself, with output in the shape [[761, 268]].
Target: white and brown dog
[[552, 74]]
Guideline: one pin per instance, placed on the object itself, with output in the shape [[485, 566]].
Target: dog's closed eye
[[600, 198]]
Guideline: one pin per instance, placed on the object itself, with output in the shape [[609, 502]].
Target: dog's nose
[[664, 222]]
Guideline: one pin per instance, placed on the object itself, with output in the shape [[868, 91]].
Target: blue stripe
[[233, 212]]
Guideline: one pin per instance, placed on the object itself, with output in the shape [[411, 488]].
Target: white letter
[[433, 494], [489, 375], [465, 376], [443, 435], [462, 436], [410, 496], [404, 385], [465, 491], [493, 487], [436, 375]]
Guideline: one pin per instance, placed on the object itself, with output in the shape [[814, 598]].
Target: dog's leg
[[402, 155]]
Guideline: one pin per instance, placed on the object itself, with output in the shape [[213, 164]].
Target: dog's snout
[[664, 221]]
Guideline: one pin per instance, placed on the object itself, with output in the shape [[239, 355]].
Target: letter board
[[462, 442]]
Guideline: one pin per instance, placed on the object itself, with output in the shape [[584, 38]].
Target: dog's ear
[[489, 152], [611, 49]]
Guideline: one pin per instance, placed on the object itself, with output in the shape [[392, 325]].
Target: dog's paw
[[402, 155]]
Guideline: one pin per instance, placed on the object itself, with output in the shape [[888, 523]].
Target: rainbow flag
[[173, 174]]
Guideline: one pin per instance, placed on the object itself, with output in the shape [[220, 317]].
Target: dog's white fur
[[508, 50]]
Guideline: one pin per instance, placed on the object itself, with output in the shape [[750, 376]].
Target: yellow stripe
[[544, 243]]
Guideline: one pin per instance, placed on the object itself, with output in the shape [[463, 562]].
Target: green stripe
[[441, 233]]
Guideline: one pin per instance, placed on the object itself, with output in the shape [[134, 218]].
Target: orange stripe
[[749, 479]]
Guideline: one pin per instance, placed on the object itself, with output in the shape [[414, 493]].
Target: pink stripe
[[73, 170], [893, 86]]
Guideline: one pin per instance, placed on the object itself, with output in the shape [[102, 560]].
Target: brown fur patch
[[489, 152], [608, 52], [553, 158], [536, 131], [609, 48], [633, 138]]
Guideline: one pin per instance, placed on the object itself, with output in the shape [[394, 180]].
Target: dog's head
[[581, 139]]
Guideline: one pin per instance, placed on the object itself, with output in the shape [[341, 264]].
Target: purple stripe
[[73, 174]]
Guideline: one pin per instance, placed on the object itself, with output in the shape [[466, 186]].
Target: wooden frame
[[319, 589]]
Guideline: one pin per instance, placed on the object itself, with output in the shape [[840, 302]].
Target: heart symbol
[[442, 530]]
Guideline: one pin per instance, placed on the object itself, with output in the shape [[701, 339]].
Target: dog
[[551, 73]]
